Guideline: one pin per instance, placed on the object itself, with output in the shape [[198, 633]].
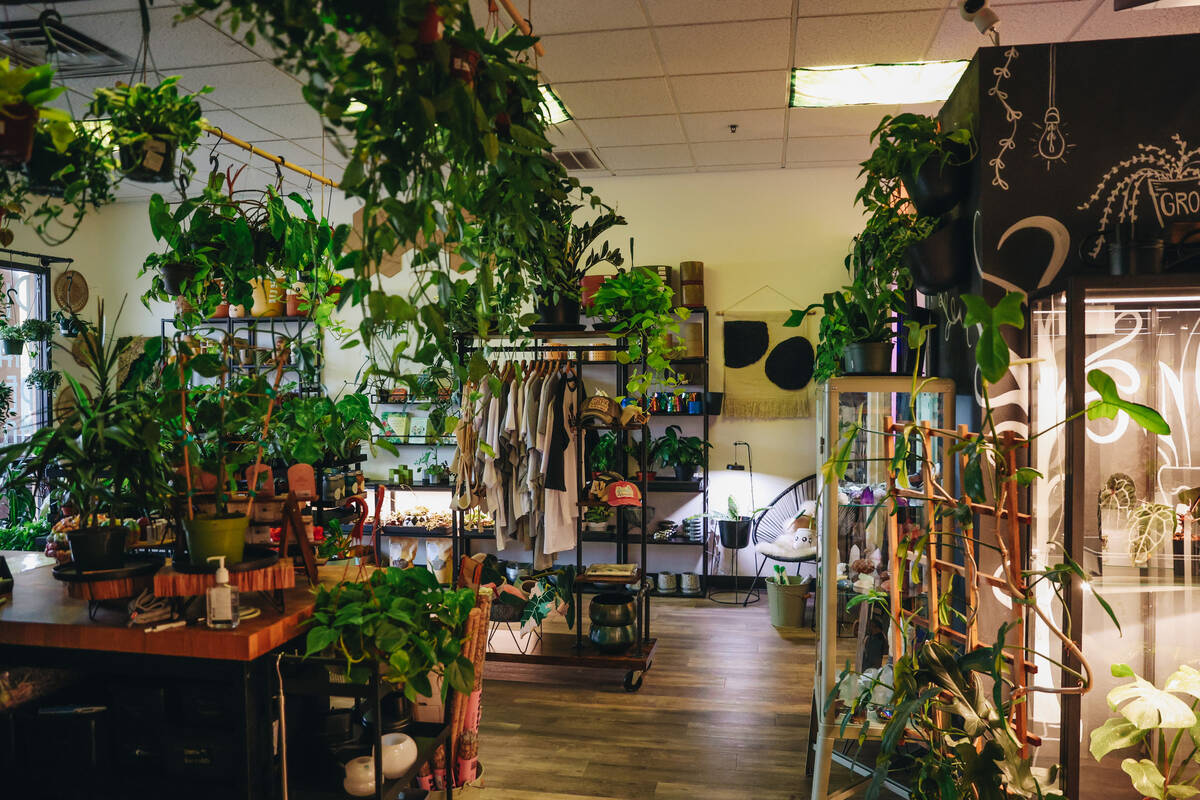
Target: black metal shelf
[[404, 487], [407, 441], [677, 487]]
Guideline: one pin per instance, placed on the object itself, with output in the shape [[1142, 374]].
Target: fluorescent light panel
[[553, 109], [874, 84]]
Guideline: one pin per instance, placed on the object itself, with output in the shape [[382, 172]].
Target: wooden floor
[[722, 715]]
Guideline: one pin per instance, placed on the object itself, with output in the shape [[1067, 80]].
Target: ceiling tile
[[714, 127], [236, 125], [1026, 24], [566, 136], [843, 121], [821, 8], [313, 146], [729, 47], [737, 90], [191, 43], [865, 39], [627, 98], [662, 156], [690, 12], [626, 131], [762, 151], [298, 120], [289, 150], [1108, 24], [828, 148], [599, 56], [574, 16], [244, 85]]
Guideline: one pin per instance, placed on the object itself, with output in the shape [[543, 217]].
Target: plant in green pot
[[150, 126], [684, 453], [638, 304], [12, 338], [24, 93]]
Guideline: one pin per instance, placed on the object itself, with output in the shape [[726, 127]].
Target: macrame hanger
[[764, 287]]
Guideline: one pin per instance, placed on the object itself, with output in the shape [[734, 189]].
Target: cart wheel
[[630, 684]]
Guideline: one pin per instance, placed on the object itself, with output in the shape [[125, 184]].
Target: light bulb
[[1052, 146]]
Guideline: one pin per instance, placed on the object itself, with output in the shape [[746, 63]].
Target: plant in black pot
[[734, 529], [931, 161], [857, 330], [71, 173], [12, 338], [684, 453], [103, 457], [152, 125], [24, 93]]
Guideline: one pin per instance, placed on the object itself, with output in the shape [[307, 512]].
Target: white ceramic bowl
[[365, 789], [360, 770], [399, 754]]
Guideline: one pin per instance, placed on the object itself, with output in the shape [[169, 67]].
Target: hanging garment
[[562, 475]]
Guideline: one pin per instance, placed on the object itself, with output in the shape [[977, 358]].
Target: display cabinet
[[852, 520], [1115, 496]]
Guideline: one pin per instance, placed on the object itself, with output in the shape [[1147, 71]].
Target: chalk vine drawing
[[1010, 113], [1052, 145], [1170, 177]]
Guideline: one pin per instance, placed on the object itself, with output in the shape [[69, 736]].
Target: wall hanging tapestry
[[768, 368]]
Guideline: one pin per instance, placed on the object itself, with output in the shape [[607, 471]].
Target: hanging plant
[[24, 93], [639, 304], [151, 125]]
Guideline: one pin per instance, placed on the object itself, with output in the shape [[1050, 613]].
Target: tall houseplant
[[150, 125], [570, 257], [638, 304]]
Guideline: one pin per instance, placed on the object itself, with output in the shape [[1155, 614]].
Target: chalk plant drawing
[[1171, 178], [1011, 114], [1052, 145]]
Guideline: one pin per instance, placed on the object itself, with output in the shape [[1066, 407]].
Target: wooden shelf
[[558, 649]]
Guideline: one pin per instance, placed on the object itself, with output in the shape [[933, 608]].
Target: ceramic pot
[[613, 609], [292, 302], [16, 133], [936, 188], [13, 347], [565, 312], [684, 473], [360, 776], [237, 312], [667, 583], [735, 533], [613, 639], [221, 311], [209, 536], [98, 548], [868, 358], [268, 298], [689, 583], [148, 161], [399, 754]]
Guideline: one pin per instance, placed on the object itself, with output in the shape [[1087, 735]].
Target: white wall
[[784, 229]]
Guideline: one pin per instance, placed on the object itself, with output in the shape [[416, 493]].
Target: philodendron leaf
[[1147, 706], [991, 351], [1186, 680], [1182, 790], [1145, 777], [1110, 403], [1116, 733]]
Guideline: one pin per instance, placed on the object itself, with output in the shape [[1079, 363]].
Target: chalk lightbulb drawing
[[1052, 145]]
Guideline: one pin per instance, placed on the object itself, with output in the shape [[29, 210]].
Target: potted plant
[[638, 304], [44, 380], [931, 162], [12, 338], [734, 528], [24, 93], [684, 453], [72, 173], [37, 330], [150, 126], [857, 330], [569, 258], [70, 324], [104, 457], [6, 403], [596, 518], [603, 455]]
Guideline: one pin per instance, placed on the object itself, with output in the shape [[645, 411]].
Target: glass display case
[[851, 526], [1115, 496]]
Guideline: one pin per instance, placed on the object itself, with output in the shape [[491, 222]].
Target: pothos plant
[[958, 705], [139, 113], [639, 304], [446, 151], [401, 621], [70, 177], [903, 144]]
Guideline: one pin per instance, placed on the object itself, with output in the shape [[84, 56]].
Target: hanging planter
[[431, 26], [148, 161], [942, 260], [463, 64], [151, 127], [175, 274], [563, 313], [937, 186], [16, 133], [13, 347]]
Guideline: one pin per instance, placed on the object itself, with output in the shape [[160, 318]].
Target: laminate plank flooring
[[722, 715]]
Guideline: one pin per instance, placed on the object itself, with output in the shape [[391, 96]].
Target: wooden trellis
[[941, 567]]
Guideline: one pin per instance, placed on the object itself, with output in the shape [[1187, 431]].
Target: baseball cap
[[624, 493], [633, 416], [598, 488], [601, 409]]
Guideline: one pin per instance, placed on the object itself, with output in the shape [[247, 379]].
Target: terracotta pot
[[293, 304], [16, 133], [221, 311], [184, 306]]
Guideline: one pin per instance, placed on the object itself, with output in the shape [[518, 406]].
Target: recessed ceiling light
[[872, 84], [553, 110]]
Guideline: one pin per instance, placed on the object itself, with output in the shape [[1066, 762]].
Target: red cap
[[624, 493]]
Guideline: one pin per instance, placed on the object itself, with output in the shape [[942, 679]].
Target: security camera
[[982, 16]]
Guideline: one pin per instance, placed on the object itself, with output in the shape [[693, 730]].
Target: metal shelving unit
[[260, 333]]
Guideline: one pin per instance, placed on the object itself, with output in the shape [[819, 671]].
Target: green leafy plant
[[37, 330], [568, 243], [11, 333], [70, 179], [1147, 716], [903, 144], [603, 455], [6, 404], [673, 448], [23, 536], [44, 380], [69, 324], [18, 497], [400, 620], [140, 112], [30, 86], [597, 513], [639, 304], [864, 311]]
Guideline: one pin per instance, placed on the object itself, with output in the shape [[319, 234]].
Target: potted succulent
[[684, 453], [151, 125], [12, 338], [44, 380], [931, 162], [638, 304], [569, 258], [24, 93]]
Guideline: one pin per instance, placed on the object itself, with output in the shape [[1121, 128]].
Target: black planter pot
[[174, 273], [13, 347], [936, 187], [40, 170], [563, 313], [148, 161], [683, 473], [942, 261], [735, 533], [713, 401], [868, 358], [97, 548]]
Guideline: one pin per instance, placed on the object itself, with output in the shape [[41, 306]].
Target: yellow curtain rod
[[280, 160]]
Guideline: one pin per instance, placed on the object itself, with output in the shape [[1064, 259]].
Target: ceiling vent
[[577, 159], [78, 56]]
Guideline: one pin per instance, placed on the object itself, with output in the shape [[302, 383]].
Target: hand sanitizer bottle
[[222, 606]]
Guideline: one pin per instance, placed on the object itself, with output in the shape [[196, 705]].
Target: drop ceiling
[[653, 85]]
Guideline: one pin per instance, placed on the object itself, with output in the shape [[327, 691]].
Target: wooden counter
[[40, 614]]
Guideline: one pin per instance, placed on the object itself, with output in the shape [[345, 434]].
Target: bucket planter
[[98, 548], [174, 275], [148, 161], [868, 358], [735, 533], [613, 609], [936, 188], [685, 473], [209, 536], [942, 261], [713, 402], [16, 133], [787, 601], [13, 347], [564, 313]]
